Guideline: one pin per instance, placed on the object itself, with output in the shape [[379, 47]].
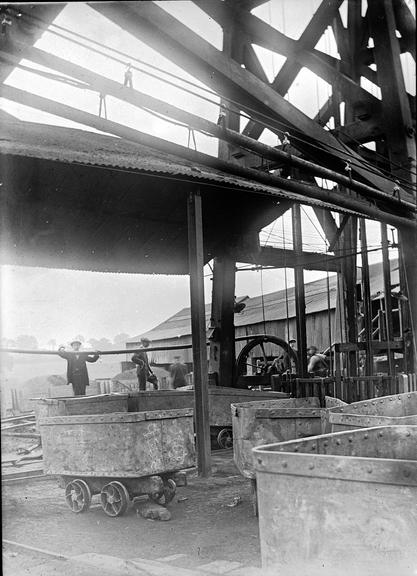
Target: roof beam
[[304, 191], [27, 30], [340, 34], [107, 86], [397, 114], [359, 131], [157, 28], [299, 52], [283, 258], [327, 223], [406, 25]]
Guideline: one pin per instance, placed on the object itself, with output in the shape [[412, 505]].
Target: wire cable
[[276, 126]]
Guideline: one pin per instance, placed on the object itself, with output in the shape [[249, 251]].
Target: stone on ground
[[153, 511]]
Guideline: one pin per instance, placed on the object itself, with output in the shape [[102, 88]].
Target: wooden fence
[[348, 389]]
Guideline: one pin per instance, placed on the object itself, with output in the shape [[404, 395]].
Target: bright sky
[[58, 304]]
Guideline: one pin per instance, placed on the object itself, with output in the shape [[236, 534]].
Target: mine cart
[[340, 504], [220, 400], [385, 411], [77, 405], [119, 456], [271, 421]]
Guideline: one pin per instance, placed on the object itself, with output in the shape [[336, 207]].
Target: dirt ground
[[203, 527]]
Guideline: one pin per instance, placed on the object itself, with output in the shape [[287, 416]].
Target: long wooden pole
[[198, 332]]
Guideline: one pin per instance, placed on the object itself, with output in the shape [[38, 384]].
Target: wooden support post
[[408, 280], [366, 297], [386, 270], [384, 19], [300, 304], [222, 343], [349, 281], [198, 328]]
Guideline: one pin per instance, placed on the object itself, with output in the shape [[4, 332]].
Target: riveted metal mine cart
[[340, 504], [256, 423], [220, 400], [385, 411], [119, 456], [77, 405], [71, 405]]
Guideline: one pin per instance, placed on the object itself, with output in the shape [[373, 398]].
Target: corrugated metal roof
[[88, 201], [71, 145], [272, 305]]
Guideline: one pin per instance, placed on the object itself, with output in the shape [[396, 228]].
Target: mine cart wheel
[[165, 495], [114, 499], [225, 438], [78, 496]]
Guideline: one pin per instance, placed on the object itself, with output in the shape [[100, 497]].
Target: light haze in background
[[59, 304]]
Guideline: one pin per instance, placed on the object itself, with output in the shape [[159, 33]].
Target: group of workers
[[77, 373], [177, 370], [286, 363]]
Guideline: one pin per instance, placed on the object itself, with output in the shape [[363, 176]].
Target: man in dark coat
[[141, 359], [77, 374], [177, 371]]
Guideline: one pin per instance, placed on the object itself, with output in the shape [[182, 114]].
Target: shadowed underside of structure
[[141, 204]]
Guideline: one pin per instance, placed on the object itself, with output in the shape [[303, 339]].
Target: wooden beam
[[400, 138], [398, 123], [222, 344], [266, 217], [406, 25], [300, 303], [334, 242], [252, 62], [327, 223], [304, 190], [299, 52], [349, 249], [408, 286], [284, 258], [198, 332], [326, 112], [366, 298], [360, 131], [240, 142], [157, 28], [291, 67], [340, 35], [27, 29], [386, 271]]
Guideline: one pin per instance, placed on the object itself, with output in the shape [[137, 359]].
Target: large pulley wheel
[[114, 499], [166, 494], [78, 496], [225, 438], [257, 354]]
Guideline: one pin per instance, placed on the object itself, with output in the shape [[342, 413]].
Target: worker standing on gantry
[[103, 105], [128, 81]]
